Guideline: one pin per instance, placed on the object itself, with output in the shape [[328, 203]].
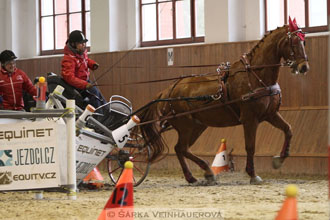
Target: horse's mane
[[265, 37]]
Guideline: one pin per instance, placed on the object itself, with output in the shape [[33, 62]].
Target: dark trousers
[[95, 98]]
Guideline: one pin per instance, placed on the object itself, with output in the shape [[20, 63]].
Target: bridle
[[290, 62], [294, 41]]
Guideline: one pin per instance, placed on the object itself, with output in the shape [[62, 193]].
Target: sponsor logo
[[5, 178], [6, 158], [31, 156], [25, 133], [90, 150], [34, 176]]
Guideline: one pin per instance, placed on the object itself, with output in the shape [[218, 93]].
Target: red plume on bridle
[[293, 28]]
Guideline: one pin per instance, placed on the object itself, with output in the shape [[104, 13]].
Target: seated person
[[12, 83], [75, 68]]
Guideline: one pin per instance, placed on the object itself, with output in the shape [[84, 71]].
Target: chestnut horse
[[252, 73]]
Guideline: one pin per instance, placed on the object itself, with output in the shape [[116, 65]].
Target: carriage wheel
[[136, 151]]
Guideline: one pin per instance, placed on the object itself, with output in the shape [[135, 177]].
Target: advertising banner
[[89, 153], [29, 154]]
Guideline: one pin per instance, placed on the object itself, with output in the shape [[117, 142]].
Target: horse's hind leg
[[179, 150], [278, 122], [188, 133], [209, 175]]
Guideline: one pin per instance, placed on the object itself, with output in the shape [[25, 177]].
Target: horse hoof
[[210, 178], [277, 162], [192, 180], [256, 180]]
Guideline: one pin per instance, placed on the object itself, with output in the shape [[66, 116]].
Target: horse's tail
[[151, 132]]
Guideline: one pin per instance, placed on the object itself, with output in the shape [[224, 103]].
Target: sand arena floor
[[233, 196]]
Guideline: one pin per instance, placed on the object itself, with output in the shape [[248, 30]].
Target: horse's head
[[294, 49]]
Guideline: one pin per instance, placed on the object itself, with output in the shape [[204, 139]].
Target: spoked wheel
[[136, 151]]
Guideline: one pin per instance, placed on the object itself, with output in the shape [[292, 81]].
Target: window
[[58, 18], [311, 15], [164, 22]]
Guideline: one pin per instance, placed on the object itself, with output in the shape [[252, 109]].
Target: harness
[[260, 91], [221, 95]]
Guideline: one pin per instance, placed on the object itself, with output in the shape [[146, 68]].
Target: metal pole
[[41, 97], [71, 151], [328, 98]]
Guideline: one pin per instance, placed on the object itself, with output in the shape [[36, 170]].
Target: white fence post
[[71, 143]]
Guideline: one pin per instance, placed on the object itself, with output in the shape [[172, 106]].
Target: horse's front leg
[[250, 131], [278, 122]]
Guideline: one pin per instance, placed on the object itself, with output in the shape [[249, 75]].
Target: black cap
[[77, 37], [7, 55]]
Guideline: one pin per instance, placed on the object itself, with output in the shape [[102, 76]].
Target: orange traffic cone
[[220, 162], [94, 178], [120, 204], [289, 207]]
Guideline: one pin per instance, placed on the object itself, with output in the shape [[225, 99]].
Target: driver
[[75, 68], [12, 83]]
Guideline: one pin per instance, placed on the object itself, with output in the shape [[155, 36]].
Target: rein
[[199, 75], [287, 63], [163, 80]]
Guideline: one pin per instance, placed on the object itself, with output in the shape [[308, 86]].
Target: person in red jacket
[[12, 83], [75, 68]]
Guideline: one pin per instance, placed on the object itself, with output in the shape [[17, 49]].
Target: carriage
[[106, 119]]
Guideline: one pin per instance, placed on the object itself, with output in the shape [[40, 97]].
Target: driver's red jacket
[[75, 68], [12, 86]]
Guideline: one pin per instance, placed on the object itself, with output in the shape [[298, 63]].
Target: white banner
[[29, 155], [89, 153]]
